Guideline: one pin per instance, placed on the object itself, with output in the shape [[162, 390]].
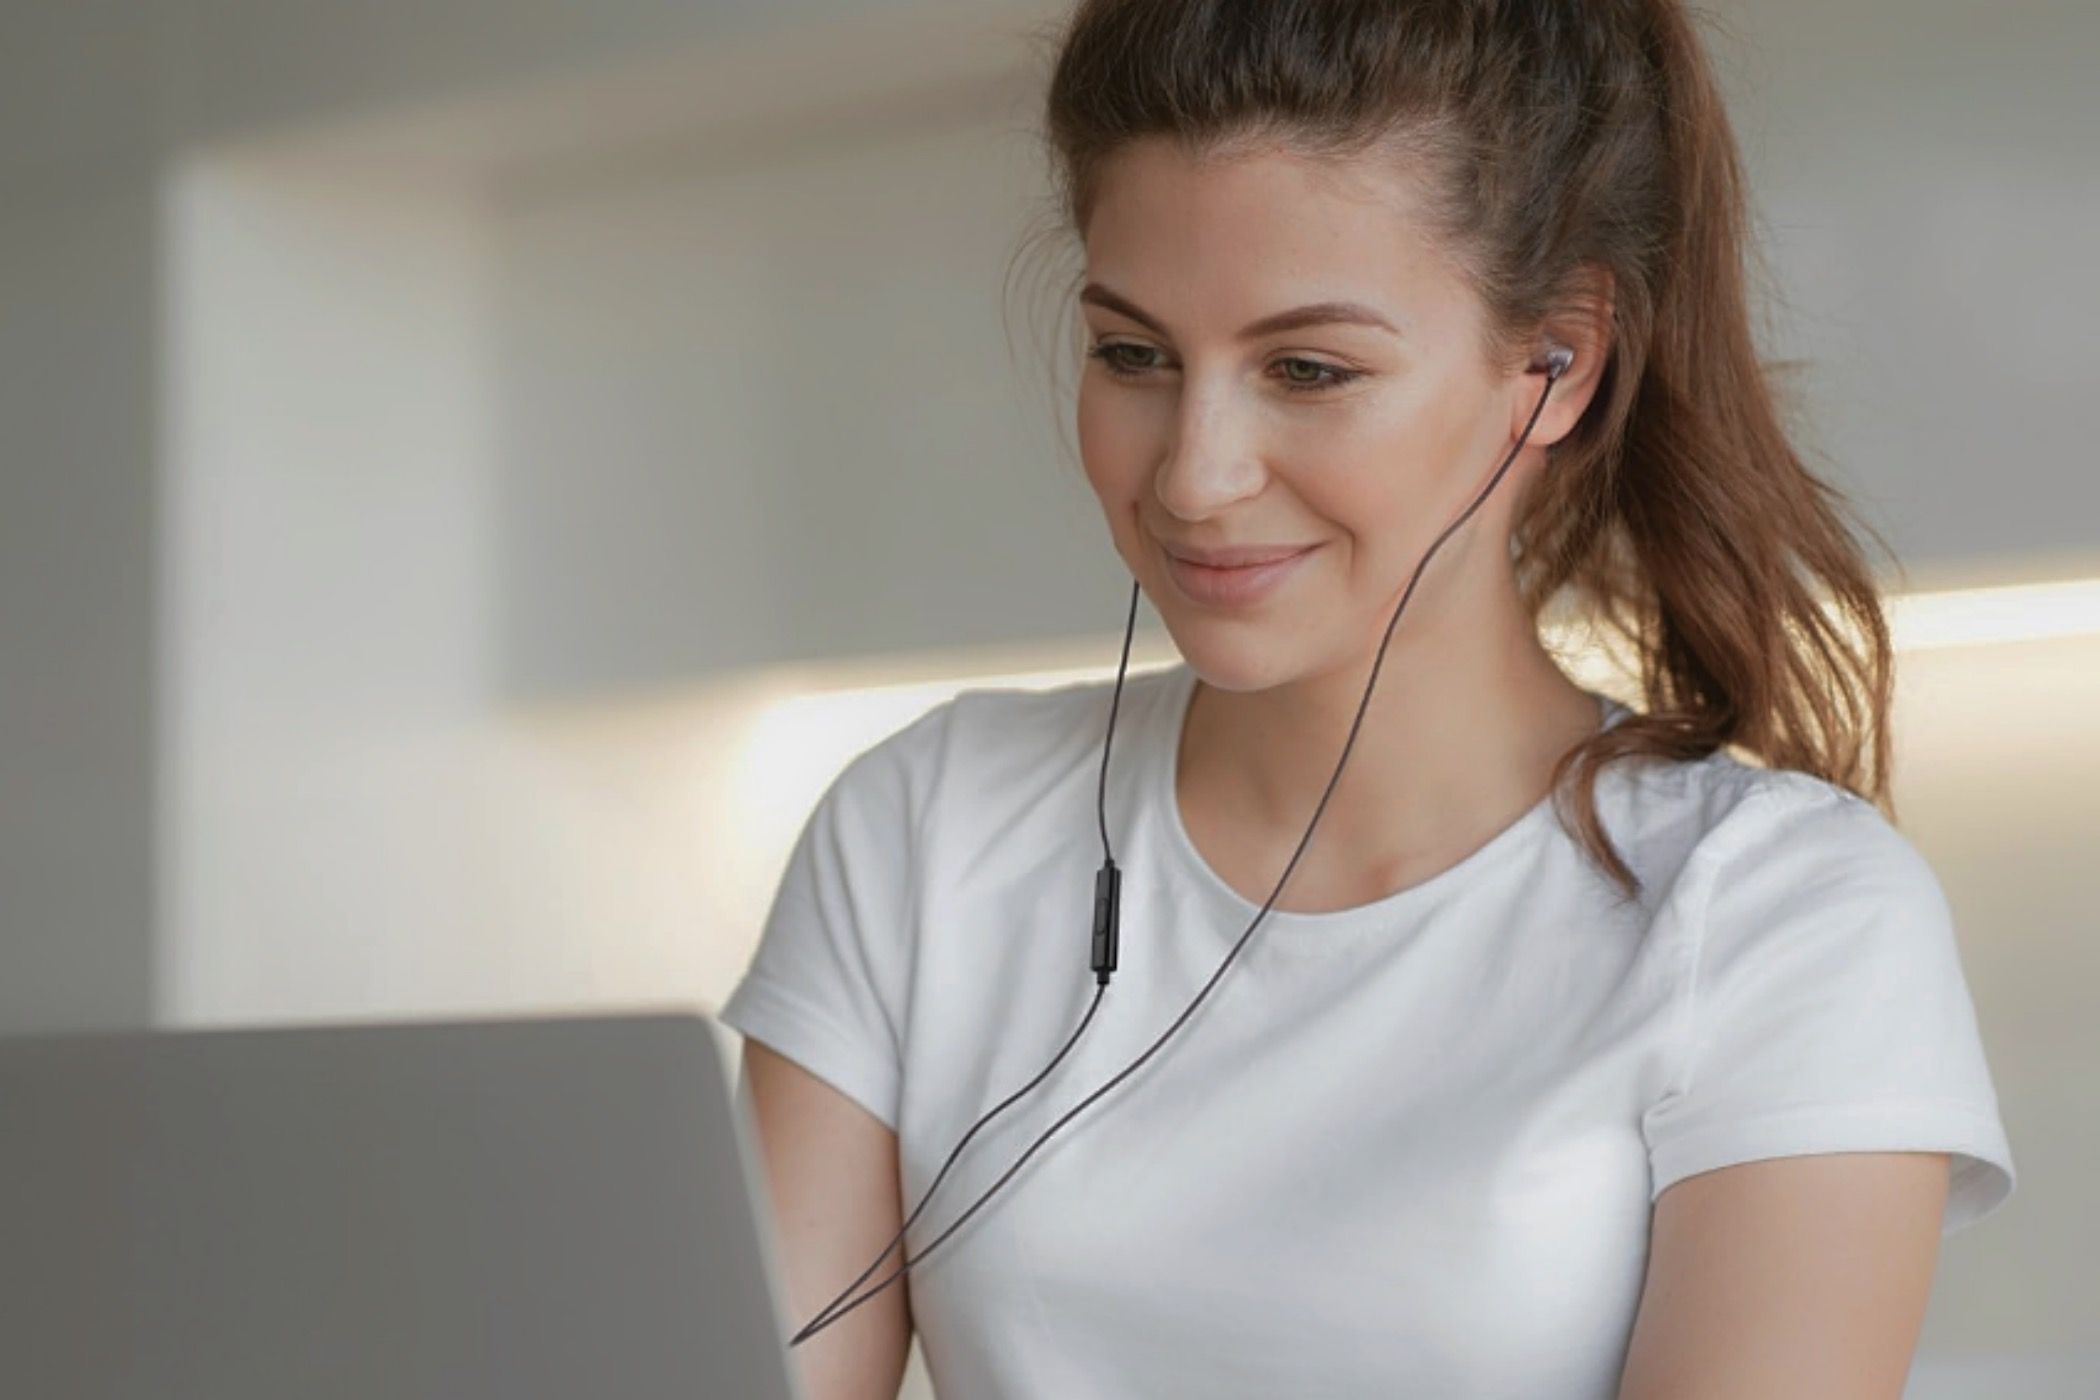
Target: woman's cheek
[[1112, 451]]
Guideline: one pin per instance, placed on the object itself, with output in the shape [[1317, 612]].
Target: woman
[[1575, 1055]]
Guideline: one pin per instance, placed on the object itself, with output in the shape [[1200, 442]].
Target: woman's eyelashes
[[1327, 376]]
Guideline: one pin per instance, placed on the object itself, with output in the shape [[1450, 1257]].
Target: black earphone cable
[[1558, 362], [1101, 810]]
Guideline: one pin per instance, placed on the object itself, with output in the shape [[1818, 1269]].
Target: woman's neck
[[1449, 754]]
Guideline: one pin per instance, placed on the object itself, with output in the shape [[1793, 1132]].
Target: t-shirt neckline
[[1317, 929]]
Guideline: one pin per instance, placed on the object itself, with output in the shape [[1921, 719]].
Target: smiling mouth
[[1244, 556], [1233, 587]]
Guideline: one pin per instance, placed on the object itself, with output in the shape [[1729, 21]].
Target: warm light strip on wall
[[801, 740], [2009, 613], [1917, 622]]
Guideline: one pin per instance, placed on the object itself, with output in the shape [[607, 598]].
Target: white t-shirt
[[1406, 1148]]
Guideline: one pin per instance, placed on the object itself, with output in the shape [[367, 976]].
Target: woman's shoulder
[[1696, 819], [1797, 841], [1009, 739], [1739, 805], [1014, 736]]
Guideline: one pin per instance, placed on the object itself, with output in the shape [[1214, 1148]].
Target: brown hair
[[1560, 136]]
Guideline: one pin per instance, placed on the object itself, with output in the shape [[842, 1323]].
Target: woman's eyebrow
[[1318, 314]]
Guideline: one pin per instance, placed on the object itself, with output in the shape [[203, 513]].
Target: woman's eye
[[1335, 374], [1109, 354], [1300, 375]]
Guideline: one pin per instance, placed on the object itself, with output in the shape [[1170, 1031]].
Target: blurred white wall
[[1925, 174], [326, 591], [77, 577], [756, 404], [415, 420]]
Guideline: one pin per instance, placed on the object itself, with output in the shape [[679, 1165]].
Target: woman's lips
[[1232, 588]]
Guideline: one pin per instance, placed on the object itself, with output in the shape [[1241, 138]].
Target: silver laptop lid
[[552, 1206]]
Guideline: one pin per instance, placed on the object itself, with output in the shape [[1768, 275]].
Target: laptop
[[477, 1210]]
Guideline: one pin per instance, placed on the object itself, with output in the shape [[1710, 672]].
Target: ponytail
[[1723, 545]]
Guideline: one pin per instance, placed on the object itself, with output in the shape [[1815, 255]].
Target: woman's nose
[[1211, 460]]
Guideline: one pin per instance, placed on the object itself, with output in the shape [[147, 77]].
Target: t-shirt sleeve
[[1825, 1008], [827, 984]]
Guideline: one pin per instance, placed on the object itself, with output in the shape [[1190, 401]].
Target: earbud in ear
[[1555, 362]]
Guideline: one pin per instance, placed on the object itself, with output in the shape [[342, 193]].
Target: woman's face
[[1356, 435]]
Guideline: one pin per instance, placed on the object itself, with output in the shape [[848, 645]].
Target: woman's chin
[[1234, 656]]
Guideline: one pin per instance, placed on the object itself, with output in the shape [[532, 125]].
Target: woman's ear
[[1579, 338]]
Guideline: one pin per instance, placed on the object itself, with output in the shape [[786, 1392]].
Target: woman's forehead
[[1220, 239]]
